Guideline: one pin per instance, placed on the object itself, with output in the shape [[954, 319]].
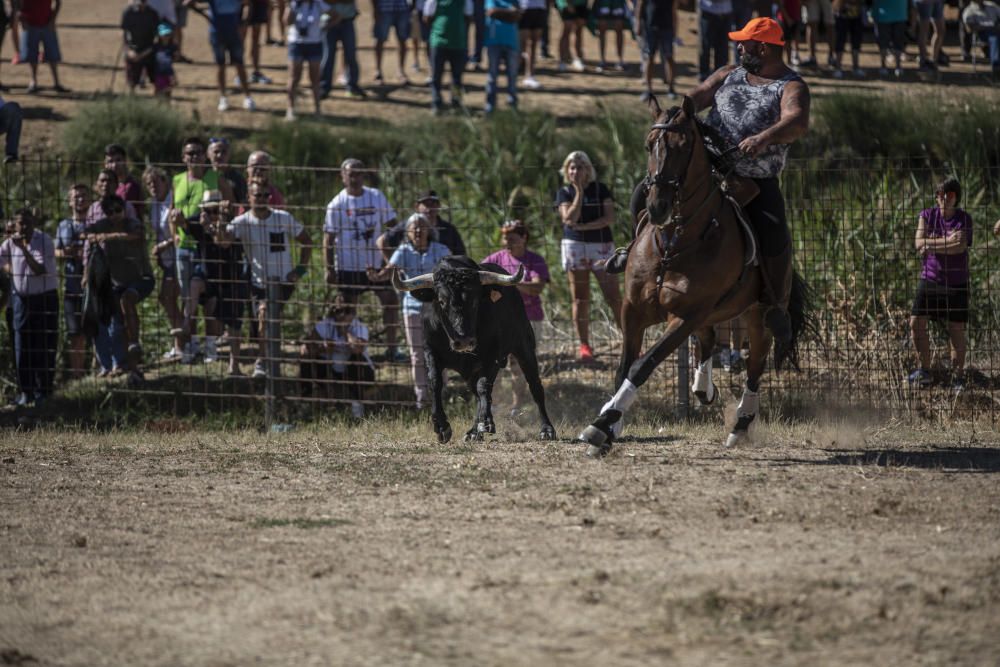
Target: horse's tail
[[800, 312]]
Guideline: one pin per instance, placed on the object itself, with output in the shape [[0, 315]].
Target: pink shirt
[[535, 268]]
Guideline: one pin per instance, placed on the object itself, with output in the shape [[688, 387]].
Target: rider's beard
[[751, 63]]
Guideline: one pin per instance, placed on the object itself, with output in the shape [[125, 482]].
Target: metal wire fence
[[853, 225]]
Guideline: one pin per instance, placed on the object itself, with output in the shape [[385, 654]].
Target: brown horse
[[691, 265]]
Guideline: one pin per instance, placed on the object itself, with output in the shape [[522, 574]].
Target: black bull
[[473, 319]]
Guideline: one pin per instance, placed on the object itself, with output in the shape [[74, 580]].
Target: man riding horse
[[758, 107]]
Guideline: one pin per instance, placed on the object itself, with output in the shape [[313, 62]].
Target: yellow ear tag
[[495, 295]]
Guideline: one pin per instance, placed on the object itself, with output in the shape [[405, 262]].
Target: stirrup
[[617, 261]]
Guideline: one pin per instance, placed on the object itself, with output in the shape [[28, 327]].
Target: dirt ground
[[90, 37], [819, 544]]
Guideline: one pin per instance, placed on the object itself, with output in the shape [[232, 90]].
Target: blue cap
[[164, 29]]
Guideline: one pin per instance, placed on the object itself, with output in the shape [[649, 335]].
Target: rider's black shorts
[[767, 215]]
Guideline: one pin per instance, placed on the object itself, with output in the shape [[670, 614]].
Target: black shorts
[[575, 12], [355, 283], [258, 12], [534, 19], [73, 314], [135, 70], [939, 302], [230, 301]]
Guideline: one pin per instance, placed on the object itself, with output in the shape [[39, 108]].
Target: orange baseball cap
[[760, 30]]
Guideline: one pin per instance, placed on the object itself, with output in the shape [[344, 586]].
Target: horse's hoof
[[487, 427], [598, 451], [473, 434], [547, 433], [707, 398], [737, 438], [444, 435]]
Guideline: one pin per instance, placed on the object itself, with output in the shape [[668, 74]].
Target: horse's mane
[[716, 145]]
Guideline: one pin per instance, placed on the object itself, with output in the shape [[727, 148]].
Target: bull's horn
[[408, 285], [491, 278]]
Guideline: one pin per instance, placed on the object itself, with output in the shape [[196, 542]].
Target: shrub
[[149, 129]]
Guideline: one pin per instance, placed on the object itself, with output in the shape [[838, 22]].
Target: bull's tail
[[801, 314]]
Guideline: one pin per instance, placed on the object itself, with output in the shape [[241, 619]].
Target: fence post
[[272, 333], [683, 367]]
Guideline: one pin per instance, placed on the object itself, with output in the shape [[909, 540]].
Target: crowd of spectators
[[457, 33], [227, 253]]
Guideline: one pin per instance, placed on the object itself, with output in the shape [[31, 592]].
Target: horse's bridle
[[659, 179]]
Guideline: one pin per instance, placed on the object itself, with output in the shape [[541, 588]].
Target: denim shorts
[[188, 268], [657, 40], [32, 37], [224, 35], [400, 20]]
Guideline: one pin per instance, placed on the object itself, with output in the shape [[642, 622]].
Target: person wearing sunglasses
[[198, 176], [514, 254], [123, 242]]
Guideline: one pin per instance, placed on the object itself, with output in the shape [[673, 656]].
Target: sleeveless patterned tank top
[[742, 110]]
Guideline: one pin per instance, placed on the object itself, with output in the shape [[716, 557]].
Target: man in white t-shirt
[[266, 236], [355, 218]]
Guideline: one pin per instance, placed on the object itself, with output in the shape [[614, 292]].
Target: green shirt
[[188, 193], [448, 29]]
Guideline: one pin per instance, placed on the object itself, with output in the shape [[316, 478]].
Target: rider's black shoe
[[617, 262]]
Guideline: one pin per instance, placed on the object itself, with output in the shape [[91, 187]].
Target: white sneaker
[[211, 350], [531, 82], [357, 410], [578, 65], [290, 115], [172, 354], [249, 104], [342, 80], [258, 369], [223, 104]]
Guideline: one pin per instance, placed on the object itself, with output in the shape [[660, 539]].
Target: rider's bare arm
[[704, 95], [794, 120]]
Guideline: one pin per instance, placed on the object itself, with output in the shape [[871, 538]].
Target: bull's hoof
[[737, 438], [547, 433], [444, 434], [707, 397]]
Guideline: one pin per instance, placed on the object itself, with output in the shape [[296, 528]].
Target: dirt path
[[374, 546], [89, 38]]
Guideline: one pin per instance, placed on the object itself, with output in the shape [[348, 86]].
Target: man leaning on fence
[[266, 235], [28, 255], [355, 219]]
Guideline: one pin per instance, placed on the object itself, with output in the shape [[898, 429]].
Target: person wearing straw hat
[[759, 107]]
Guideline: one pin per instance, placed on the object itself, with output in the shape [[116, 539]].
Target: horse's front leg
[[749, 406], [600, 434], [704, 388]]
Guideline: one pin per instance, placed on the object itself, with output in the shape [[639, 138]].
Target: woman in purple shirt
[[515, 253], [944, 234]]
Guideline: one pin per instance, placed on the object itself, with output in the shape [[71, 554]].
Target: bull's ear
[[423, 295]]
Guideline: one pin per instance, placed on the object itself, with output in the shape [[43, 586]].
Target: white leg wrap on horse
[[621, 401], [749, 404], [703, 379]]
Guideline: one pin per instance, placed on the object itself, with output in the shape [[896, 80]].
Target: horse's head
[[670, 144]]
